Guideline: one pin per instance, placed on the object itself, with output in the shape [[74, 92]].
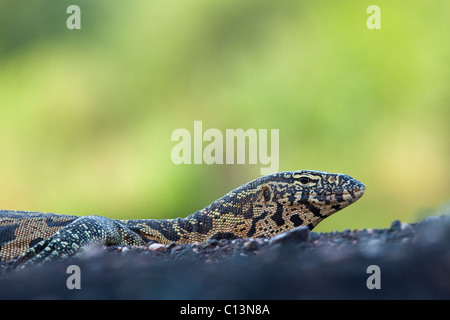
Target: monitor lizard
[[263, 207]]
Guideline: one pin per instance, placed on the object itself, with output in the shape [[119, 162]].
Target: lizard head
[[276, 203], [301, 198], [281, 201]]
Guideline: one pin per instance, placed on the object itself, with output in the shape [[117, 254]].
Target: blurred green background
[[86, 115]]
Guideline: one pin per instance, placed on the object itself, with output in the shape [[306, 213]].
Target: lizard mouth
[[348, 196], [344, 197], [354, 194]]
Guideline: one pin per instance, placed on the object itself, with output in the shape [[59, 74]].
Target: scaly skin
[[261, 208]]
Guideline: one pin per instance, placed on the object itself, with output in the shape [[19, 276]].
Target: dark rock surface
[[413, 260]]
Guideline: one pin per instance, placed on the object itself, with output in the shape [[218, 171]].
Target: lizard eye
[[304, 180]]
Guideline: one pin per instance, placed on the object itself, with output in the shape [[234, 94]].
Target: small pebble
[[124, 249], [293, 236], [396, 225], [171, 245], [156, 247], [251, 245], [212, 242]]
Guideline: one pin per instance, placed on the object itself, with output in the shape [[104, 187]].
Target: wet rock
[[373, 248], [414, 261], [432, 230]]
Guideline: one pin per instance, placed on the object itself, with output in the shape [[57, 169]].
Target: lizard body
[[261, 208]]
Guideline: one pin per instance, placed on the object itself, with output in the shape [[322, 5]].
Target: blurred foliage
[[86, 115]]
